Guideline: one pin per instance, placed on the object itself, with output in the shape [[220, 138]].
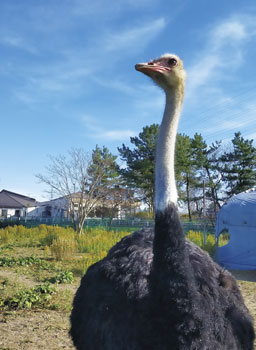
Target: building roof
[[13, 200]]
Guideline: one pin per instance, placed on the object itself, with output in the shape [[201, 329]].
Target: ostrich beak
[[148, 68], [144, 67]]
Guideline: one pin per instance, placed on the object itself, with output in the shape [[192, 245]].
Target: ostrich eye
[[172, 62]]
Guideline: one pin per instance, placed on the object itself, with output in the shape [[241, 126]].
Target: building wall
[[54, 208], [14, 212]]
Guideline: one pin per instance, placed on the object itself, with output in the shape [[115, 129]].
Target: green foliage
[[103, 166], [28, 298], [198, 239], [62, 277], [98, 241], [185, 169], [140, 161], [24, 261], [31, 237], [239, 165], [210, 246], [144, 215]]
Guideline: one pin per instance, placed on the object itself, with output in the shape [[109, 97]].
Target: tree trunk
[[188, 198], [80, 224]]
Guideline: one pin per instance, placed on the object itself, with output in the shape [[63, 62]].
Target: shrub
[[28, 298], [62, 277], [63, 249]]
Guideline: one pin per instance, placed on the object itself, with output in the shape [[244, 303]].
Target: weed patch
[[62, 277], [38, 296], [63, 249], [24, 261], [211, 243]]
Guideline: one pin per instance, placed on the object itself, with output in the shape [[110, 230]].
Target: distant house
[[55, 208], [15, 205], [116, 204]]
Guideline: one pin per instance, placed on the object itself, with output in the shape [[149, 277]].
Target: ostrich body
[[155, 290]]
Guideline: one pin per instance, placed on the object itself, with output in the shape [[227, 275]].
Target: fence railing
[[198, 225]]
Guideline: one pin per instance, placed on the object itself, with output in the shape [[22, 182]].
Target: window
[[4, 213], [17, 213]]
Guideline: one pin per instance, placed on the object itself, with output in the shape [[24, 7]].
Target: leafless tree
[[74, 177]]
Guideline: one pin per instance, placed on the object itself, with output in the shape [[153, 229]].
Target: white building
[[14, 205], [57, 208]]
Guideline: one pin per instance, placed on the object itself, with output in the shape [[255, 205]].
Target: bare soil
[[47, 329]]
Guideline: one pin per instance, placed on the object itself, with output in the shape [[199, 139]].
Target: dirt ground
[[46, 329]]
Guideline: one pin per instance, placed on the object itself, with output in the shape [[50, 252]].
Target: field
[[40, 270]]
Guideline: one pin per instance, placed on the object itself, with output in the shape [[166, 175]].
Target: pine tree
[[185, 169], [206, 159], [239, 166], [140, 161]]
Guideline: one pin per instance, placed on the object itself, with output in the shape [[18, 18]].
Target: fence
[[198, 225]]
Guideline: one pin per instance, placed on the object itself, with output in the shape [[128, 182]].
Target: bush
[[63, 249], [62, 277], [28, 298]]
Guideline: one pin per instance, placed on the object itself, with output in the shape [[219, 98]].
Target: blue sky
[[67, 75]]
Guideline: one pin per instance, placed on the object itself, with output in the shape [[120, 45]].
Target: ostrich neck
[[165, 186], [171, 279]]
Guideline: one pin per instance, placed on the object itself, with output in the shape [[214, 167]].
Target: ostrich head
[[166, 71]]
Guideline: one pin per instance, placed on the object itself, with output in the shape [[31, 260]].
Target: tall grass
[[81, 251], [64, 244], [210, 245], [98, 240], [36, 236]]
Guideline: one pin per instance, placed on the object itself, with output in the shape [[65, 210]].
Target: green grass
[[55, 256]]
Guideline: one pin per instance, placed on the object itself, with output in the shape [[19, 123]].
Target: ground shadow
[[244, 275]]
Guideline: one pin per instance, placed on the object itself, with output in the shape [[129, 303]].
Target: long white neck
[[165, 186]]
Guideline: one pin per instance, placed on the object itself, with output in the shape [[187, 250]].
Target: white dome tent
[[238, 217]]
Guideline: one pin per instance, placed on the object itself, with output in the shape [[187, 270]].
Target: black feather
[[155, 290]]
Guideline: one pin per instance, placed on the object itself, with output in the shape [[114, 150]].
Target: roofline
[[17, 194]]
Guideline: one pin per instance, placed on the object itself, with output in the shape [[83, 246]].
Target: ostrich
[[155, 290]]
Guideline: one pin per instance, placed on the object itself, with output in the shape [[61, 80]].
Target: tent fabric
[[238, 217]]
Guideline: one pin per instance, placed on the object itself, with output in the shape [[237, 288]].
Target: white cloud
[[134, 38], [226, 125], [115, 135], [116, 84], [232, 30], [20, 43], [94, 130], [70, 67], [223, 52]]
